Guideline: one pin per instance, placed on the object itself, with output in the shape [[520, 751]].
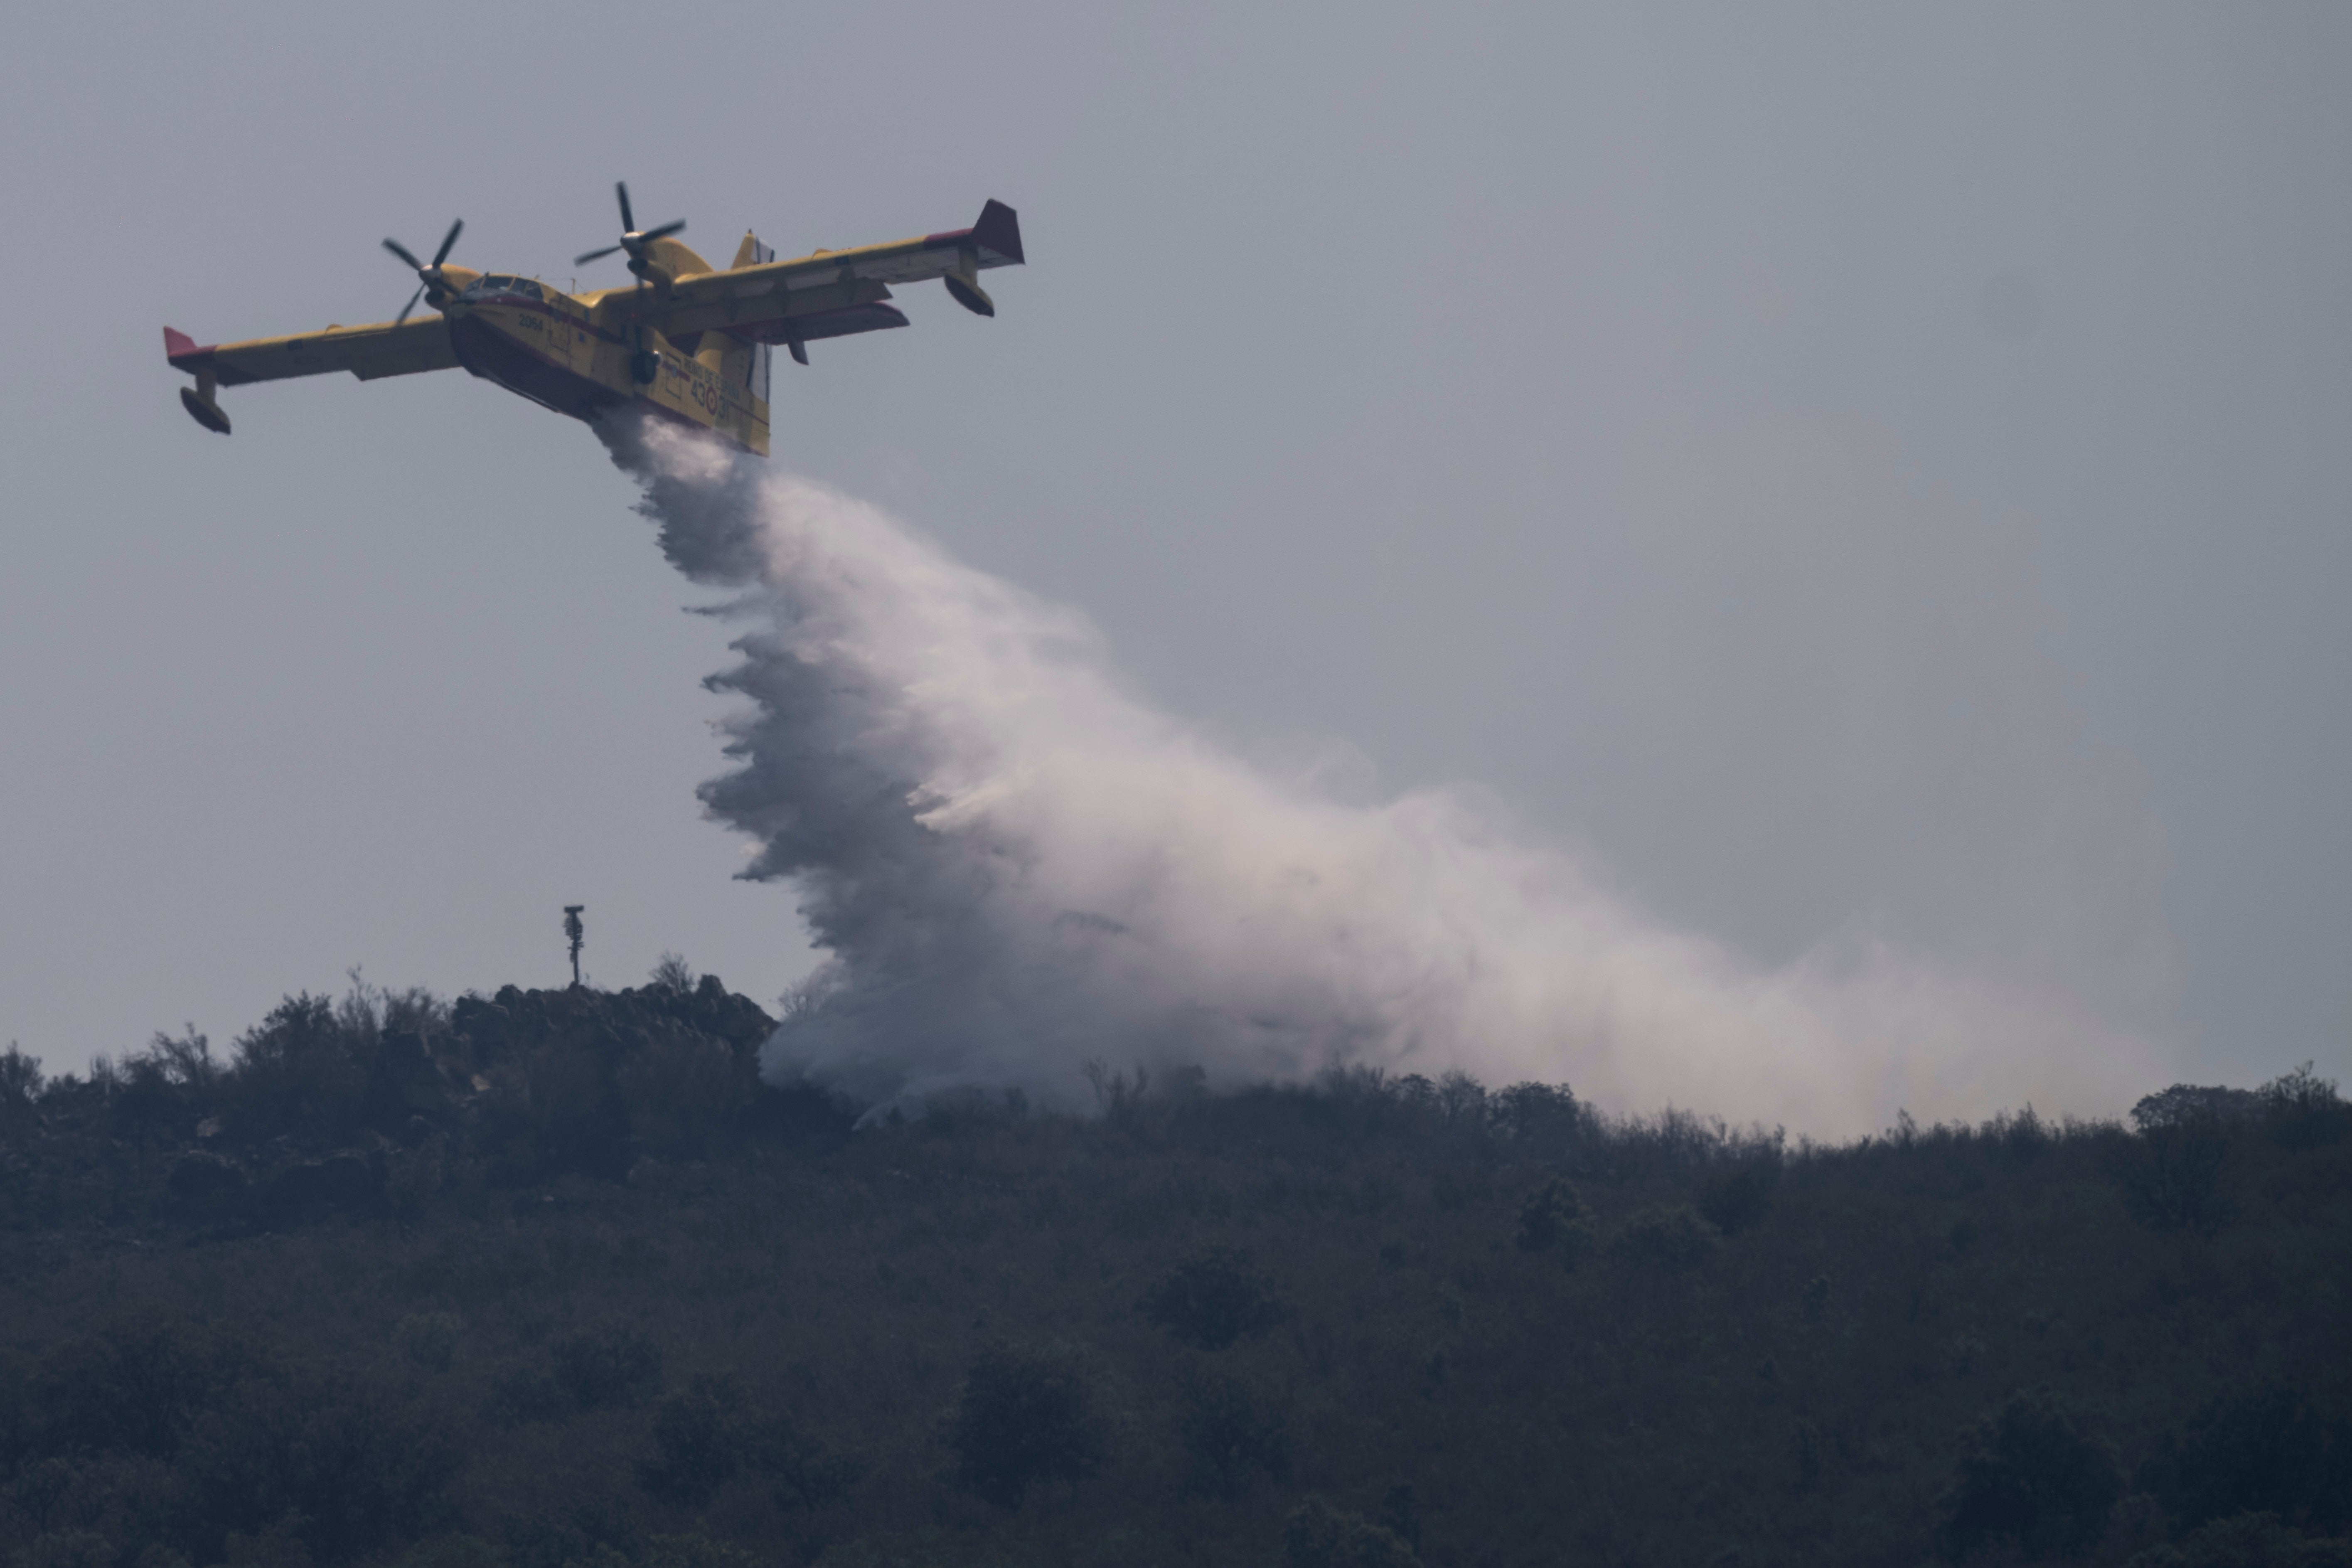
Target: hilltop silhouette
[[553, 1278]]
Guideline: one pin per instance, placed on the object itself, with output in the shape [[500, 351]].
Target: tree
[[1227, 1436], [674, 975], [1556, 1217], [802, 1473], [1212, 1299], [2031, 1475], [607, 1364], [1321, 1536], [20, 1079], [1025, 1417], [2172, 1172], [2248, 1540], [1670, 1235], [1737, 1197], [2304, 1110], [2263, 1451], [698, 1445]]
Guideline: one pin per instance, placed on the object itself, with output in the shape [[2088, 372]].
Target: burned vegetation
[[552, 1278]]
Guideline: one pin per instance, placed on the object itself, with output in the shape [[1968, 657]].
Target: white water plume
[[1015, 868]]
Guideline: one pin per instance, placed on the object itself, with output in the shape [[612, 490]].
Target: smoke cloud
[[1014, 867]]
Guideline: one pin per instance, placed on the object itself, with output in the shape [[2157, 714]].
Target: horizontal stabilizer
[[970, 296], [204, 411]]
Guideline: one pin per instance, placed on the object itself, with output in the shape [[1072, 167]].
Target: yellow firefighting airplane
[[689, 341]]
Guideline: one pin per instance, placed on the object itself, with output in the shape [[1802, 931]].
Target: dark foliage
[[1666, 1235], [1738, 1197], [609, 1363], [697, 1441], [347, 1463], [1024, 1418], [2263, 1451], [132, 1387], [2249, 1541], [1229, 1437], [703, 1437], [20, 1080], [2172, 1173], [551, 1280], [803, 1474], [1554, 1216], [1321, 1536], [1213, 1300], [2032, 1476], [2302, 1110]]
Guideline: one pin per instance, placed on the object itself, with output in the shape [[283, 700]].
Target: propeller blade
[[585, 257], [442, 255], [402, 252], [621, 189], [396, 320], [668, 228]]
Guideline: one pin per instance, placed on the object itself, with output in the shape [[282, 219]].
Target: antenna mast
[[577, 934]]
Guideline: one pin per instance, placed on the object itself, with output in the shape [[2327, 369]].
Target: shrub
[[1212, 1299], [695, 1551], [452, 1552], [2303, 1110], [1321, 1536], [2185, 1103], [135, 1386], [1024, 1418], [526, 1393], [2031, 1475], [360, 1469], [802, 1472], [686, 1094], [2263, 1451], [1805, 1447], [1227, 1437], [2249, 1541], [1669, 1235], [296, 1073], [610, 1364], [69, 1548], [1737, 1197], [2172, 1174], [1554, 1216], [698, 1445], [1539, 1120], [429, 1339], [20, 1079]]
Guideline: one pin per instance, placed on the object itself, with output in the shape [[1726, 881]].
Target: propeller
[[632, 239], [431, 277]]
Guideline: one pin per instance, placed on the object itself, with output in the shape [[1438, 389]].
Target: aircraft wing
[[839, 291], [369, 352]]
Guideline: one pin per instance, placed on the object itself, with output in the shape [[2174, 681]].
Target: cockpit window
[[499, 283]]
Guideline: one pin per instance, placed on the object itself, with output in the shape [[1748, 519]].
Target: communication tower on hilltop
[[577, 935]]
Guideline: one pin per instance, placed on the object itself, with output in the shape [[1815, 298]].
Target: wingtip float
[[684, 339]]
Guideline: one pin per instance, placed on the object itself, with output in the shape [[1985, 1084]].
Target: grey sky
[[1861, 475]]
